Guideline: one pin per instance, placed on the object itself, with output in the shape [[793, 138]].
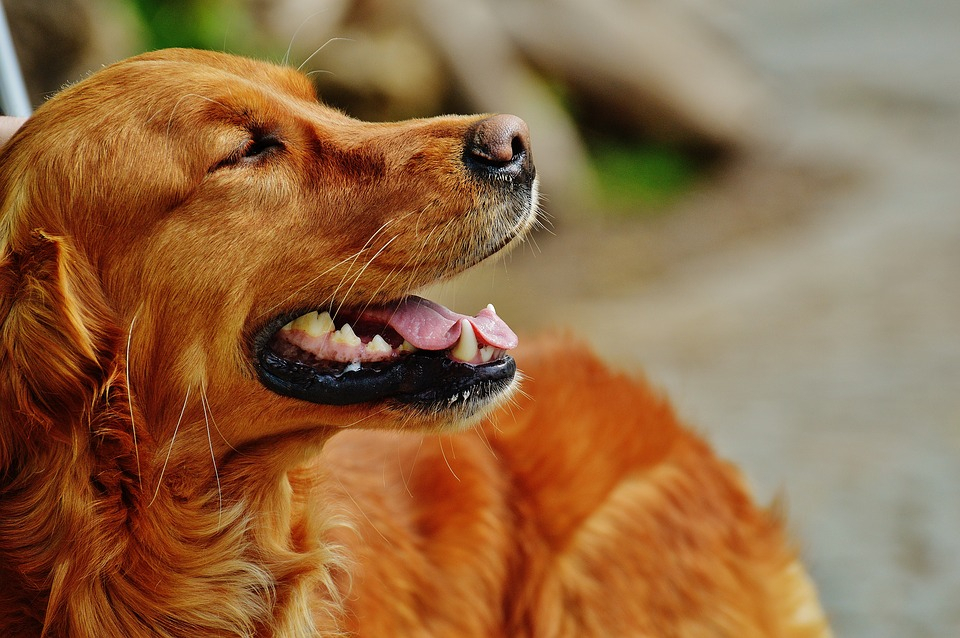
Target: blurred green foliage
[[635, 175], [641, 176], [200, 24]]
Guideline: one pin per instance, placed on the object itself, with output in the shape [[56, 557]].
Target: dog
[[224, 411]]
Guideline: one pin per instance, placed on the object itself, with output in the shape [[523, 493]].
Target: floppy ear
[[57, 339]]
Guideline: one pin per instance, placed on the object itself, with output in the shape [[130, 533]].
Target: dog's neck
[[218, 556]]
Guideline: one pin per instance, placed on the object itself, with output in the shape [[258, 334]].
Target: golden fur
[[150, 485]]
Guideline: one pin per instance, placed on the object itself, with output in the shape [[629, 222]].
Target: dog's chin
[[457, 414], [412, 355]]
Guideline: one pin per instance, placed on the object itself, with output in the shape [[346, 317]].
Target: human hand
[[9, 126]]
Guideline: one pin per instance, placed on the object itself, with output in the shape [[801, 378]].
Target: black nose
[[499, 146]]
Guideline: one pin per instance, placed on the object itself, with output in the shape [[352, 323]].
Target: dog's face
[[233, 225]]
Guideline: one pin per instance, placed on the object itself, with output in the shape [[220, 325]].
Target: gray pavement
[[822, 354]]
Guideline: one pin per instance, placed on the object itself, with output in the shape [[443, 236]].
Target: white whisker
[[307, 285], [362, 270], [416, 258], [353, 260], [213, 457], [293, 38], [360, 509], [444, 455], [481, 432], [384, 281], [203, 391], [170, 448], [403, 477], [369, 416], [133, 425], [512, 404], [319, 49], [226, 32]]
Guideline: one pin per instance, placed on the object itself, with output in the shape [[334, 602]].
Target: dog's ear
[[58, 343]]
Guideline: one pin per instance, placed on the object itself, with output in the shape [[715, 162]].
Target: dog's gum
[[341, 346]]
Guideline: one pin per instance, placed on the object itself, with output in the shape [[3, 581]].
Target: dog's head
[[200, 229]]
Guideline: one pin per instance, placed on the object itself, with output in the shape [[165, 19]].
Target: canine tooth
[[346, 336], [491, 308], [378, 346], [466, 348]]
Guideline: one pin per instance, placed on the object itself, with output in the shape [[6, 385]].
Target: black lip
[[428, 379]]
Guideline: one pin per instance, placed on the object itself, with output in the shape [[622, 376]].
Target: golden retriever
[[206, 275]]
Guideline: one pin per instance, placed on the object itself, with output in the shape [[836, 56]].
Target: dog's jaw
[[460, 366], [413, 352]]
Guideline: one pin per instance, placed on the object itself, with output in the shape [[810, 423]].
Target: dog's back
[[583, 509]]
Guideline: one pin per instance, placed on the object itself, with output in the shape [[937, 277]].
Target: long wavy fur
[[151, 486]]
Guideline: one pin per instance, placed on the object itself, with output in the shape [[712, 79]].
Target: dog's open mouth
[[413, 351]]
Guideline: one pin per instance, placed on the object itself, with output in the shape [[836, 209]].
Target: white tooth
[[406, 346], [466, 348], [325, 323], [491, 308], [486, 353], [378, 346], [319, 325], [287, 328], [313, 324], [346, 336], [303, 322]]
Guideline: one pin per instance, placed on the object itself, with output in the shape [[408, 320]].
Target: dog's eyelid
[[260, 143], [256, 146]]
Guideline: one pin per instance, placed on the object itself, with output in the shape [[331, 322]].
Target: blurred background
[[755, 203]]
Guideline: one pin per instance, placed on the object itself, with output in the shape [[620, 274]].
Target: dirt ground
[[803, 310]]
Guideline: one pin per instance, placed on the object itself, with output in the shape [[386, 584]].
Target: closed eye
[[261, 144], [255, 148]]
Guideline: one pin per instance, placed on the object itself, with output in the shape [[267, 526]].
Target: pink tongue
[[430, 326]]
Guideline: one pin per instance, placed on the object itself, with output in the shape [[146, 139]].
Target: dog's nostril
[[499, 144]]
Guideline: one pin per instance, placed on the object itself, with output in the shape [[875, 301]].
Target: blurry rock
[[367, 57], [641, 69], [59, 41], [304, 26], [651, 64], [49, 38], [388, 73], [116, 33]]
